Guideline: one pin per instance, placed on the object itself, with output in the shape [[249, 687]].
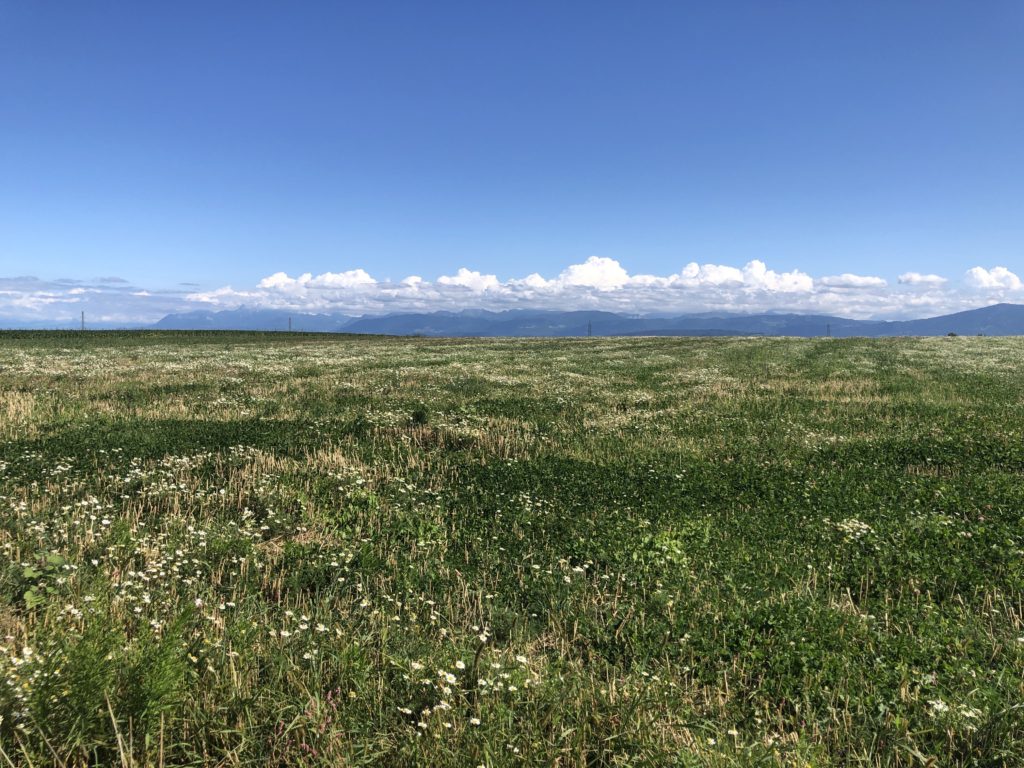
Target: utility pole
[[289, 325], [828, 330], [83, 319]]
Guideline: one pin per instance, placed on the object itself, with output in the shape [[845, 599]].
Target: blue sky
[[637, 156]]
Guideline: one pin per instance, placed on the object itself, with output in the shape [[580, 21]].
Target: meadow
[[299, 550]]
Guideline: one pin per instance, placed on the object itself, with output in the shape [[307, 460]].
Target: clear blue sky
[[219, 143]]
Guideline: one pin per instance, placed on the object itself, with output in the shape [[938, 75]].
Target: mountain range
[[995, 320]]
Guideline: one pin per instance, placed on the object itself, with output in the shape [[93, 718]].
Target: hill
[[996, 320]]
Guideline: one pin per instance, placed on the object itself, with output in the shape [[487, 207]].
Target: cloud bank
[[597, 283]]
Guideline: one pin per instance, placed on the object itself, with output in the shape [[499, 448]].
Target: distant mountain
[[245, 319], [996, 320], [508, 323], [68, 324], [760, 325]]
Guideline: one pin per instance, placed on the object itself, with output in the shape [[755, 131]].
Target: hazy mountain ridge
[[245, 319], [995, 320]]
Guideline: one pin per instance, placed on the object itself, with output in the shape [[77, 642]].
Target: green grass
[[292, 549]]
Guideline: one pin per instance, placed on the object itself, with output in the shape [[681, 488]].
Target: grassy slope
[[249, 549]]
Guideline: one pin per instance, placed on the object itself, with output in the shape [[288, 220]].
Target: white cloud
[[694, 274], [916, 278], [535, 281], [602, 282], [848, 280], [350, 279], [277, 280], [598, 282], [224, 295], [56, 303], [466, 278], [596, 272], [999, 278], [755, 276]]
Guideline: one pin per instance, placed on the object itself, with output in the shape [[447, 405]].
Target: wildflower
[[938, 707], [474, 721]]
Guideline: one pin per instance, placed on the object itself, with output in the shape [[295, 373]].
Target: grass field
[[247, 549]]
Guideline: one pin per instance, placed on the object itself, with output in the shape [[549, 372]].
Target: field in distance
[[280, 549]]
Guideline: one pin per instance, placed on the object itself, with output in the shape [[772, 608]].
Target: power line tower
[[289, 325]]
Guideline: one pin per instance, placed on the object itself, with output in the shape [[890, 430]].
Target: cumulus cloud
[[349, 279], [916, 278], [756, 274], [474, 281], [534, 281], [597, 272], [847, 280], [280, 280], [598, 282], [753, 277], [999, 278], [694, 274]]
